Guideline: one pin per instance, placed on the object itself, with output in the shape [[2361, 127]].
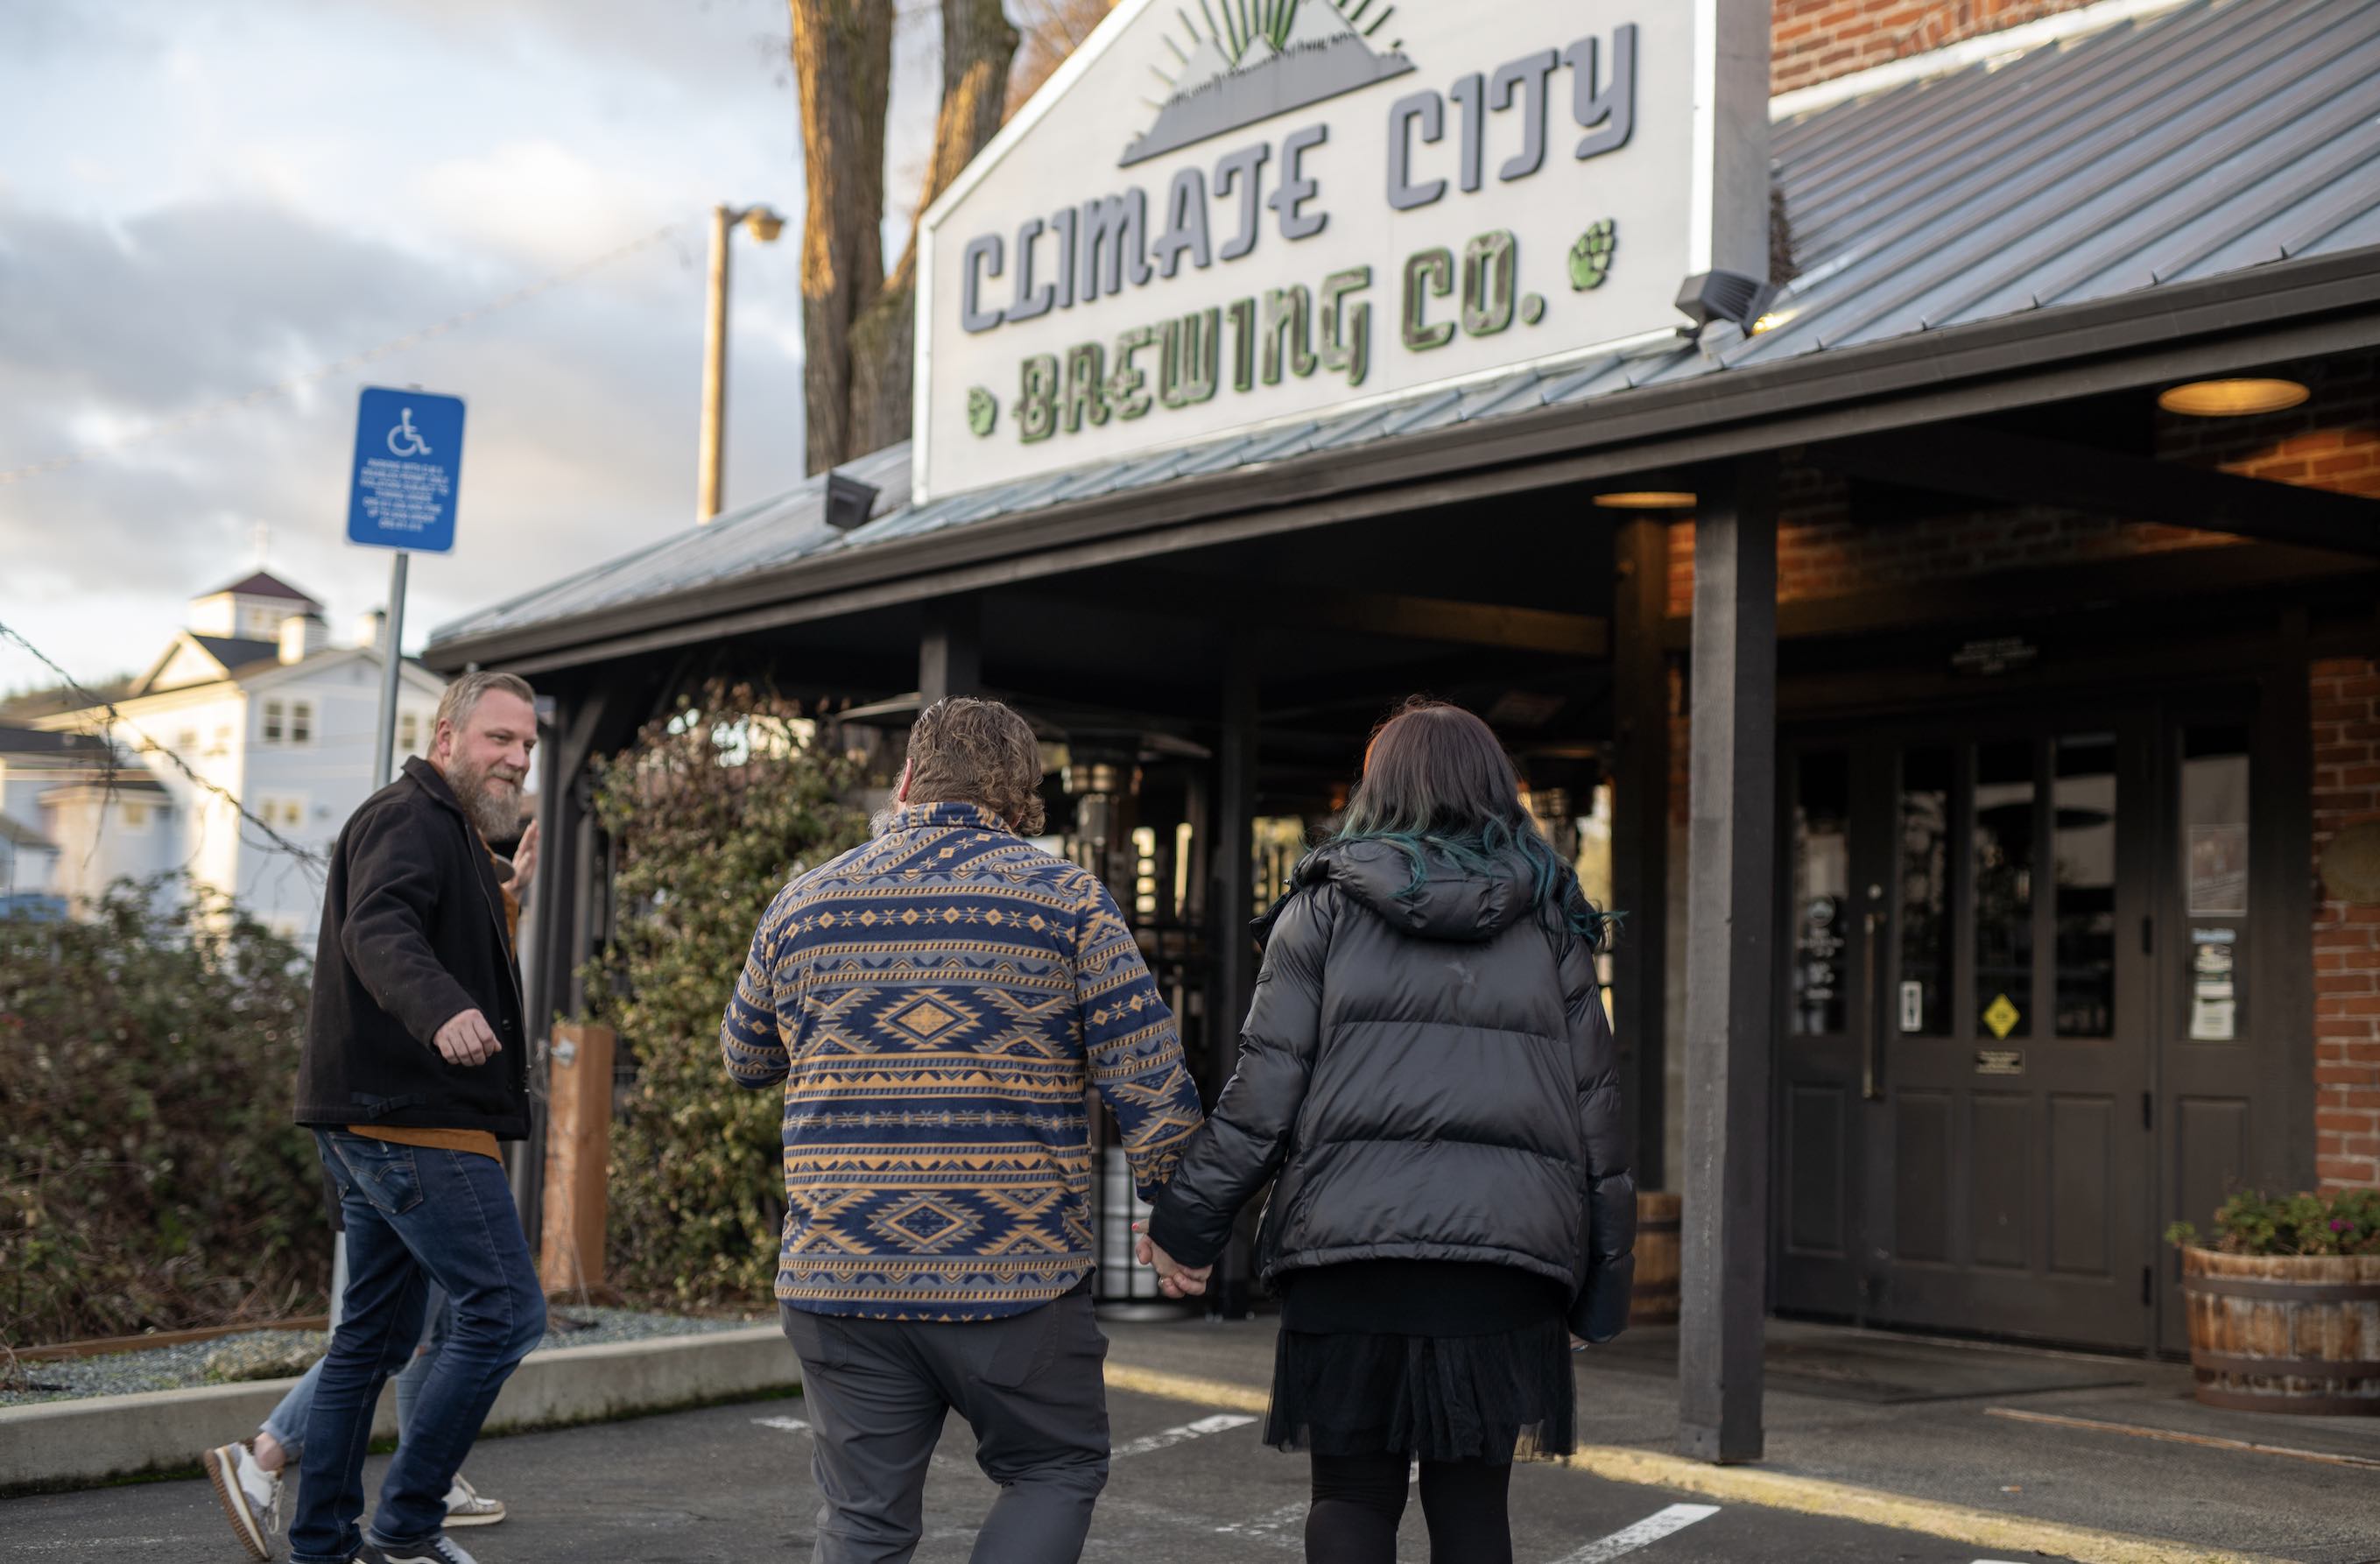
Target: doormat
[[1847, 1365]]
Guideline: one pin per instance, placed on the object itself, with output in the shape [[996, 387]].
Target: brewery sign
[[1229, 216]]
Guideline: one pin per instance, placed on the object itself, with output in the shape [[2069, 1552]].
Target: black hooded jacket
[[413, 935], [1424, 1077]]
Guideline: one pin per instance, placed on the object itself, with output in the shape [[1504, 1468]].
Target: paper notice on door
[[2213, 1019], [1913, 1007]]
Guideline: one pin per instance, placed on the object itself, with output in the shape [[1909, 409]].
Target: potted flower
[[2284, 1305]]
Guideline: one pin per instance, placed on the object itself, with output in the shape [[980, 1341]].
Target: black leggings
[[1358, 1499]]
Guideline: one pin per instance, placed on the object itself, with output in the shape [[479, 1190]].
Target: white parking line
[[1651, 1529], [1265, 1525], [790, 1424], [1188, 1431]]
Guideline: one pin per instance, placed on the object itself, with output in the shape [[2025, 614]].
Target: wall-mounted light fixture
[[2231, 398], [1646, 500]]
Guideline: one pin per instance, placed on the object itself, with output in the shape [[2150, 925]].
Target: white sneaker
[[466, 1507], [250, 1495]]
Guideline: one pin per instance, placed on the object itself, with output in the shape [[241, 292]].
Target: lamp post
[[764, 224]]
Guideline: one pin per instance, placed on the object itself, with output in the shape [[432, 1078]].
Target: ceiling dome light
[[1646, 500], [2231, 398]]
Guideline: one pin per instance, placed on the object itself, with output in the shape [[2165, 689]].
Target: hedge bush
[[711, 811], [151, 1176]]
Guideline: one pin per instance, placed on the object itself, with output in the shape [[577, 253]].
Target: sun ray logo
[[1242, 61]]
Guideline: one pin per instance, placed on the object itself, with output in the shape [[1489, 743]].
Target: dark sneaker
[[440, 1549], [250, 1495]]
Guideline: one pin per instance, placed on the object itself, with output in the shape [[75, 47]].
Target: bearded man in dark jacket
[[415, 1066]]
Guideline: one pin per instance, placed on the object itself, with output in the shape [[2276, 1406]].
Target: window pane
[[2004, 833], [2214, 879], [2214, 821], [1821, 892], [2083, 798], [1920, 996], [301, 722]]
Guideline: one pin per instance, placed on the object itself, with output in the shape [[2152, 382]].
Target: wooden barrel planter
[[1655, 1299], [2297, 1333]]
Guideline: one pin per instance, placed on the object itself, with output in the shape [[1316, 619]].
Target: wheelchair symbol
[[404, 440]]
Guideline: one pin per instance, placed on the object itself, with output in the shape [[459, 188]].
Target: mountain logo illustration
[[1242, 61]]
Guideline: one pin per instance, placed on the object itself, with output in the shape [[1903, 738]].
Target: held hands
[[468, 1039], [1174, 1278]]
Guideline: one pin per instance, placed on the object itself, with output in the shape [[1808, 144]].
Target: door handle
[[1870, 1065]]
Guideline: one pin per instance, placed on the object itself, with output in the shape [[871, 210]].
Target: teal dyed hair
[[1435, 779]]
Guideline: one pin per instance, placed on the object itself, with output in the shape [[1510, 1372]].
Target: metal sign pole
[[393, 653]]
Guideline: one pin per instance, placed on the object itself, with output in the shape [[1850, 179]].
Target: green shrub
[[712, 810], [151, 1176], [2345, 1222]]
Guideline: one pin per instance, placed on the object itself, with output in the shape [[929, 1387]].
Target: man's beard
[[492, 807]]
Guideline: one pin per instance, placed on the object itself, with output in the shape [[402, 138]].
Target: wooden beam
[[1640, 830], [1730, 967], [1996, 597], [1993, 463], [1392, 615]]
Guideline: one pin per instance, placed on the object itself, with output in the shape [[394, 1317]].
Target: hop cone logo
[[1590, 259]]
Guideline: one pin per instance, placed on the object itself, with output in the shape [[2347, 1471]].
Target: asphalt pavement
[[731, 1485]]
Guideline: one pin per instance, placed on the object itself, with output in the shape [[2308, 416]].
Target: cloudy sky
[[207, 197]]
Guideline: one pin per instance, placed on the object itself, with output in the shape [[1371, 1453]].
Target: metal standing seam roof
[[2218, 136]]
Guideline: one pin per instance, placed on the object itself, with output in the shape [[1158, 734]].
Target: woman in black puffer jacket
[[1426, 1077]]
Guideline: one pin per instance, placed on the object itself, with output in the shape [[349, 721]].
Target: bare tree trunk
[[978, 44], [843, 67]]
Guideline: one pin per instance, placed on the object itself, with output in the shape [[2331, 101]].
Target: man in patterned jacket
[[937, 1004]]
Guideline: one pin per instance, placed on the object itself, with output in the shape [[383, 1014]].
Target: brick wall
[[2346, 939], [1813, 40]]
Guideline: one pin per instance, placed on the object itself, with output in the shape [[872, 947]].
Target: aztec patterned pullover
[[937, 1004]]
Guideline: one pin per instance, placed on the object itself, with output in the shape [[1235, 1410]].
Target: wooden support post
[[1730, 954], [1232, 858], [1640, 831], [950, 651], [577, 1153]]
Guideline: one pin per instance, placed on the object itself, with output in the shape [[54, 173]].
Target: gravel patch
[[177, 1368]]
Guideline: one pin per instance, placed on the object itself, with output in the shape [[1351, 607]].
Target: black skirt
[[1431, 1362]]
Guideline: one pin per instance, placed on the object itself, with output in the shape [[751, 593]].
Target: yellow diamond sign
[[2001, 1016]]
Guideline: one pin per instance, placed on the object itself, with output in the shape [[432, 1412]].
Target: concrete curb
[[107, 1438]]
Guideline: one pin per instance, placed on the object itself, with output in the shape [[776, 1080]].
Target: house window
[[187, 742], [136, 816], [301, 721], [408, 733], [276, 721], [282, 814]]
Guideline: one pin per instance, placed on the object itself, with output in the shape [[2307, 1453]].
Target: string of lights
[[314, 860]]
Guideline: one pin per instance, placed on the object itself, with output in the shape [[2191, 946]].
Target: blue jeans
[[414, 1217], [286, 1422]]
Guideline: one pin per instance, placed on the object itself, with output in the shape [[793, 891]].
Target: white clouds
[[228, 191], [539, 200]]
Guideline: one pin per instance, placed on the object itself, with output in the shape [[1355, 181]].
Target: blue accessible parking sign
[[408, 460]]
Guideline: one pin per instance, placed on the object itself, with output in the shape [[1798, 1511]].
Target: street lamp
[[764, 224]]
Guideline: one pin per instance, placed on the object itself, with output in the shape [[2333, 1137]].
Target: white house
[[255, 700], [29, 860]]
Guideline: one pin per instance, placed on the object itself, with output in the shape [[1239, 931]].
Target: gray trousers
[[876, 1392]]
